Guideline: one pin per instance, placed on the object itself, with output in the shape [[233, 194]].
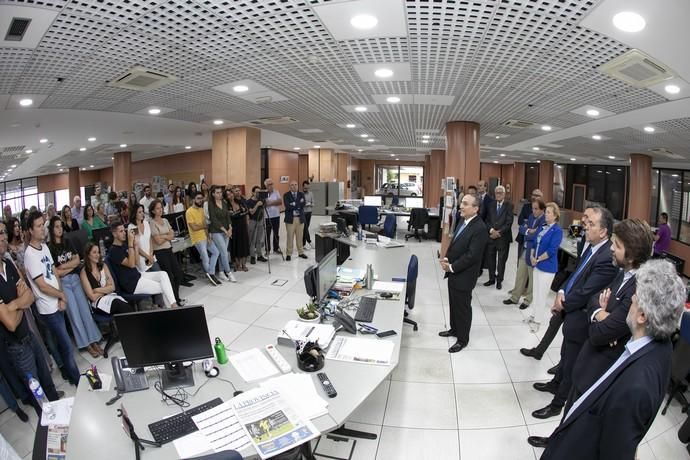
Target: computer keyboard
[[181, 424], [366, 309]]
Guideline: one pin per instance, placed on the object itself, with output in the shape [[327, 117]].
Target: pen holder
[[310, 358]]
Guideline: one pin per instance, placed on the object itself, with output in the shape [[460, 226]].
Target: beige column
[[639, 187], [74, 183], [122, 172], [236, 157], [546, 179]]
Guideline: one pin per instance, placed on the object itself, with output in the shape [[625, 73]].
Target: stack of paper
[[388, 286], [299, 391], [347, 275], [253, 365], [308, 332], [364, 351]]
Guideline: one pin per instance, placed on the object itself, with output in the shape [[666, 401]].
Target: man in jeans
[[273, 203], [257, 229], [23, 349], [196, 222], [51, 302]]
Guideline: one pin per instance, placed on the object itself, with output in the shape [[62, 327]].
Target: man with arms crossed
[[462, 264]]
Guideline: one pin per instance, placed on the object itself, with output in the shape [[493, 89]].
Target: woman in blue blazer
[[544, 258]]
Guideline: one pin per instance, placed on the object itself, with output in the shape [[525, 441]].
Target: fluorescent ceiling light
[[240, 88], [611, 157], [649, 129], [26, 102], [596, 137], [593, 113], [82, 149], [364, 135], [503, 154], [360, 108], [573, 159], [14, 166], [672, 89], [317, 146], [154, 111], [295, 148], [383, 73], [187, 147], [535, 148], [122, 146], [91, 139], [217, 122], [370, 140], [426, 136], [628, 21], [364, 21], [43, 141], [546, 128], [350, 125], [28, 151], [425, 141], [393, 99]]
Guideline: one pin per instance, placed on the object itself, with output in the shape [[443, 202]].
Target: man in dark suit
[[294, 219], [462, 265], [525, 212], [484, 199], [608, 332], [499, 221], [594, 272], [610, 419]]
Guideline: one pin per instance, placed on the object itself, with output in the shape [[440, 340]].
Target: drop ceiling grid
[[49, 4]]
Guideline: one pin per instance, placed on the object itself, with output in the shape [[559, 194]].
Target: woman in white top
[[98, 283], [177, 203], [146, 260]]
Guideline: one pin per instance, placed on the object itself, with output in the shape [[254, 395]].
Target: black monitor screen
[[328, 271], [174, 220], [171, 335]]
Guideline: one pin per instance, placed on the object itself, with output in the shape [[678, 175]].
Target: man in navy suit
[[594, 272], [610, 419], [294, 219], [608, 332], [462, 265], [484, 199], [499, 221]]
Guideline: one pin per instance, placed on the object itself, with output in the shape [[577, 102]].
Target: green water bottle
[[219, 348]]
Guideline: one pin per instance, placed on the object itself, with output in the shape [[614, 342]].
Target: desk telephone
[[128, 379], [346, 321]]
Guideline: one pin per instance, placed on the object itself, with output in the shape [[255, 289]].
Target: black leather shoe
[[303, 256], [252, 260], [554, 369], [531, 352], [457, 347], [538, 441], [547, 412], [489, 283], [499, 284], [509, 302], [523, 306], [186, 284], [546, 387], [288, 258], [262, 259], [448, 333]]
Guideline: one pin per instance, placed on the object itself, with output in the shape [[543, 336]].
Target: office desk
[[95, 430], [569, 246], [180, 244]]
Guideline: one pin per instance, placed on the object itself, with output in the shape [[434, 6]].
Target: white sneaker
[[231, 277], [223, 277], [307, 246]]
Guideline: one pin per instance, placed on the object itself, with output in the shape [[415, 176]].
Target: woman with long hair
[[177, 204], [15, 243], [162, 235], [145, 261], [239, 243], [91, 221], [69, 223], [98, 285], [189, 195], [220, 230], [66, 258]]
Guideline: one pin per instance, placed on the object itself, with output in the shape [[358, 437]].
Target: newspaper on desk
[[56, 442], [271, 424]]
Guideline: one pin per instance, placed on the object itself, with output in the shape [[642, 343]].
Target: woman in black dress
[[69, 223], [239, 243]]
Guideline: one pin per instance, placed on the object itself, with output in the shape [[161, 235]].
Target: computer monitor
[[374, 200], [414, 202], [104, 234], [166, 337], [328, 272], [311, 281], [175, 222]]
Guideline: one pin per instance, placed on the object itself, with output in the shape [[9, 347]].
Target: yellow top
[[196, 216]]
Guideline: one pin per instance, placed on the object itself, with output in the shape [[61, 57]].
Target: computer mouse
[[238, 392], [386, 295]]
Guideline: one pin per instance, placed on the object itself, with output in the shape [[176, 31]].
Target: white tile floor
[[473, 405]]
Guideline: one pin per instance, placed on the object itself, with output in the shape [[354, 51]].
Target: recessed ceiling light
[[503, 154], [364, 135], [546, 128], [360, 108], [535, 148], [538, 161], [26, 102], [360, 150], [112, 158], [349, 125], [495, 161], [573, 159], [240, 88], [371, 140], [317, 146], [91, 139], [627, 21], [596, 137], [383, 73], [672, 89], [83, 169], [592, 113], [426, 136], [397, 159], [90, 166], [364, 21], [43, 141], [58, 165], [82, 149], [154, 111], [392, 154], [61, 169], [425, 141], [611, 157], [295, 148], [498, 137], [217, 122], [649, 129], [187, 147], [28, 151], [619, 169], [122, 146], [393, 99]]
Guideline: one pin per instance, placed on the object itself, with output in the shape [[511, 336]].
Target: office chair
[[368, 215], [419, 217], [680, 364], [133, 299], [78, 238], [410, 289], [389, 225]]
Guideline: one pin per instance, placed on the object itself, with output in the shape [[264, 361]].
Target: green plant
[[310, 311]]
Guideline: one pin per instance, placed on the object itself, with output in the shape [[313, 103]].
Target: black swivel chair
[[680, 365], [419, 217]]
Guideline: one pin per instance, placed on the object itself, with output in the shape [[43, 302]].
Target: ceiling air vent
[[273, 121], [518, 124], [17, 29], [637, 69], [141, 79], [667, 153]]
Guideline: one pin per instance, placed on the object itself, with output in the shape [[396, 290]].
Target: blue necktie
[[498, 208], [457, 234], [576, 275]]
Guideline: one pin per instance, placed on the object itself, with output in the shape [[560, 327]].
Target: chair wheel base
[[414, 328]]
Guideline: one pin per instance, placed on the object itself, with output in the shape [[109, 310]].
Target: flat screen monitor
[[176, 219], [328, 271], [104, 234], [166, 337], [414, 202], [311, 281], [373, 201]]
